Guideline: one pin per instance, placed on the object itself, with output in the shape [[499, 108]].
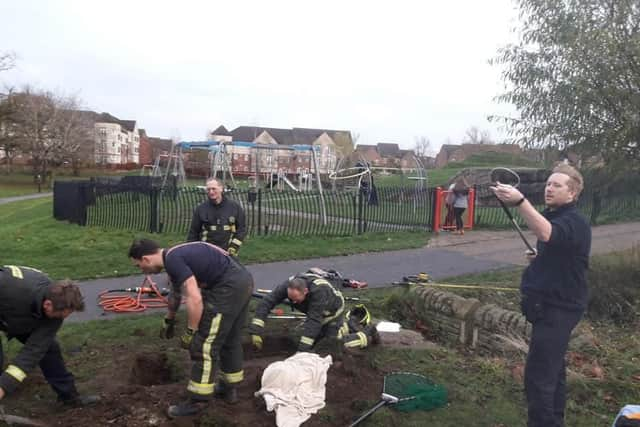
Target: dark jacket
[[322, 305], [223, 224], [22, 292], [558, 274]]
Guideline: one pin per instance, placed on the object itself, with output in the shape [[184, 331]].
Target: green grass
[[30, 236]]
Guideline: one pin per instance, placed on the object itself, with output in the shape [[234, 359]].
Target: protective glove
[[168, 330], [186, 338], [256, 341], [233, 251]]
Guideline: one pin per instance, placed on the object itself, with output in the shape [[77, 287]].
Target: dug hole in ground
[[137, 386]]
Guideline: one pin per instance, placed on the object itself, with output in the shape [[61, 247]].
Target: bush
[[613, 285]]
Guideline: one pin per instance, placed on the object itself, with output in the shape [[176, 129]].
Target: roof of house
[[221, 130], [303, 136], [129, 125]]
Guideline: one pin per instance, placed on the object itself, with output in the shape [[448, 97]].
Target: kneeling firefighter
[[325, 310]]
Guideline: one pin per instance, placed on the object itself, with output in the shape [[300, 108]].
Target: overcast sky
[[387, 71]]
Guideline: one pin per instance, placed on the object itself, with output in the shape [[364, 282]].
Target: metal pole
[[322, 207]]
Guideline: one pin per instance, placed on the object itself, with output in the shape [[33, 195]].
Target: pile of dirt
[[141, 398]]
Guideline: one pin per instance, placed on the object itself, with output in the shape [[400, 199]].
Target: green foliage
[[574, 76], [493, 159]]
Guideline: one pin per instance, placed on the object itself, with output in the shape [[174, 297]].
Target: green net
[[414, 392]]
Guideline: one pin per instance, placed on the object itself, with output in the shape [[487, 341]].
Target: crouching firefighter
[[325, 310], [217, 290], [32, 309]]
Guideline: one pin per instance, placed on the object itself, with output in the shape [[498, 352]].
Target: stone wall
[[485, 328]]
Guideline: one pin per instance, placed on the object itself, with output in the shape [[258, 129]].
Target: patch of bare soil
[[140, 392]]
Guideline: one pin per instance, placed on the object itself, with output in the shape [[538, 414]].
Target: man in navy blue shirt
[[553, 287], [217, 290]]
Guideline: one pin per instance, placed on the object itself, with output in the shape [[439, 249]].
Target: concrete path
[[5, 200], [446, 255]]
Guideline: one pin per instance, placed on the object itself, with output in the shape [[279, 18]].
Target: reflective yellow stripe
[[204, 235], [199, 388], [361, 341], [207, 365], [258, 322], [226, 227], [16, 373], [236, 242], [15, 271], [233, 377], [306, 340], [213, 228], [344, 330]]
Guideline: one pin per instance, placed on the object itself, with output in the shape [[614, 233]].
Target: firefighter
[[32, 309], [219, 220], [325, 310], [217, 290]]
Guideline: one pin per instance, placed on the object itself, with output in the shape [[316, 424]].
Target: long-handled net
[[407, 391], [509, 177]]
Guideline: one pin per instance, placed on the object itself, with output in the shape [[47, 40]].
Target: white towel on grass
[[295, 387]]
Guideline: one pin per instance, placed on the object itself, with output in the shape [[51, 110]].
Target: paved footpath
[[446, 255], [5, 200]]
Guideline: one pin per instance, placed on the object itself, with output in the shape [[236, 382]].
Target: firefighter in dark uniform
[[325, 310], [219, 220], [554, 289], [32, 309], [217, 290]]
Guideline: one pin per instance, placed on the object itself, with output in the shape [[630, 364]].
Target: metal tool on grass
[[407, 391], [508, 176]]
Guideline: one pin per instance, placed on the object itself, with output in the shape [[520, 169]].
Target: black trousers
[[54, 370], [545, 370], [458, 214], [216, 347]]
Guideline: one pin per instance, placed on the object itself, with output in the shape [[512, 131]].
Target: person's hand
[[531, 255], [233, 251], [186, 338], [1, 393], [507, 193], [256, 341], [168, 330]]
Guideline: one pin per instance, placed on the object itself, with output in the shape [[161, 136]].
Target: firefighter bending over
[[325, 310], [217, 290], [32, 309], [219, 220]]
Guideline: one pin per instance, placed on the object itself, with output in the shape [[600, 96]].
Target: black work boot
[[187, 408], [227, 392], [78, 401]]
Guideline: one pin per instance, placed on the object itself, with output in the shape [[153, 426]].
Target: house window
[[246, 157]]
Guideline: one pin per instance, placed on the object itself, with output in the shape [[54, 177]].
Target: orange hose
[[147, 297]]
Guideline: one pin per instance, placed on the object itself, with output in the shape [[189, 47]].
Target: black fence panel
[[70, 200], [139, 203]]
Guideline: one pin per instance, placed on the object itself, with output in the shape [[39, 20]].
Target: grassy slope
[[30, 236]]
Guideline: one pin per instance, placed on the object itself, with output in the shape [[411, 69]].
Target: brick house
[[294, 159]]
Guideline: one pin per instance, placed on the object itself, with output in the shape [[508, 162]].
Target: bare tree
[[48, 128], [473, 135], [422, 147], [74, 134], [7, 60]]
